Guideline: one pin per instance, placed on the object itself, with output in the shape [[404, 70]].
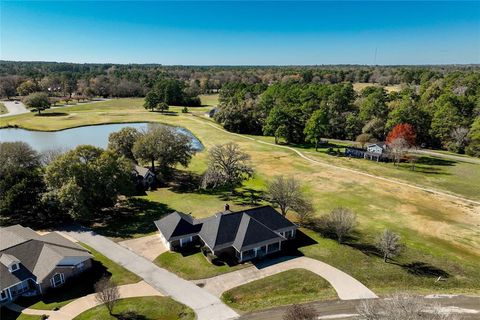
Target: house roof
[[141, 171], [38, 254], [379, 144], [238, 229], [177, 224]]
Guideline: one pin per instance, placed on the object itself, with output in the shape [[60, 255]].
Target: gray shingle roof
[[177, 224], [239, 229], [38, 255]]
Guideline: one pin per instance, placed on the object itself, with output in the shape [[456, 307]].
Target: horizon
[[282, 33]]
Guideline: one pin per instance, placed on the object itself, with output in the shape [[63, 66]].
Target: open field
[[359, 86], [442, 233], [147, 308], [209, 99], [292, 286]]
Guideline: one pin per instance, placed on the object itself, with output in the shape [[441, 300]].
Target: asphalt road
[[468, 308]]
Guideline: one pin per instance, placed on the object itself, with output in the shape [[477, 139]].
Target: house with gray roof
[[31, 263], [246, 234], [143, 177]]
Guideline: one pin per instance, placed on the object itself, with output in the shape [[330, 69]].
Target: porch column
[[279, 245], [266, 249], [241, 255], [9, 294]]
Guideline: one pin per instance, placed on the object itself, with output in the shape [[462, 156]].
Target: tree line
[[135, 80], [47, 187], [443, 111]]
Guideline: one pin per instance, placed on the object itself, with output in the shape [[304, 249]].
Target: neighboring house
[[244, 234], [375, 151], [143, 176], [378, 147], [31, 263]]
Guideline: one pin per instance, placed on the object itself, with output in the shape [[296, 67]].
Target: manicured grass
[[438, 230], [118, 274], [82, 285], [3, 109], [193, 266], [7, 314], [292, 286], [146, 308]]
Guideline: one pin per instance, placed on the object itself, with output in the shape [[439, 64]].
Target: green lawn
[[145, 308], [193, 266], [288, 287], [3, 109], [81, 286]]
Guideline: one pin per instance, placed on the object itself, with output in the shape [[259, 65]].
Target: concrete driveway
[[14, 108], [206, 305], [149, 247], [347, 287]]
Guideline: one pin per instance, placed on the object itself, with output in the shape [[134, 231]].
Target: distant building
[[378, 147], [244, 234], [144, 177], [31, 263]]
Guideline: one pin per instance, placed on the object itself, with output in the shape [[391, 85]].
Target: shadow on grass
[[436, 161], [189, 182], [423, 269], [52, 114], [133, 216], [74, 288], [129, 315]]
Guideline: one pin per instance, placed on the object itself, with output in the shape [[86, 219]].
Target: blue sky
[[242, 33]]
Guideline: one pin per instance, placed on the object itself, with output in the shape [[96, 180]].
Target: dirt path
[[303, 156], [347, 287]]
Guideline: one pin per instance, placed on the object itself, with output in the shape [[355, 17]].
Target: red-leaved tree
[[404, 131]]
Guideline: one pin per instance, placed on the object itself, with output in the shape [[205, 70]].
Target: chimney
[[226, 207]]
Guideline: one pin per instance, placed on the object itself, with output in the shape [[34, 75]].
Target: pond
[[70, 138]]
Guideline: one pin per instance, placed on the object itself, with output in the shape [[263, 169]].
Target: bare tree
[[364, 138], [287, 194], [389, 244], [227, 166], [106, 292], [459, 136], [49, 155], [300, 312], [341, 221], [398, 147], [401, 307]]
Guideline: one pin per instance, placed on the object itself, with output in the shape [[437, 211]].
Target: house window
[[57, 280], [185, 241], [14, 267], [3, 295]]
